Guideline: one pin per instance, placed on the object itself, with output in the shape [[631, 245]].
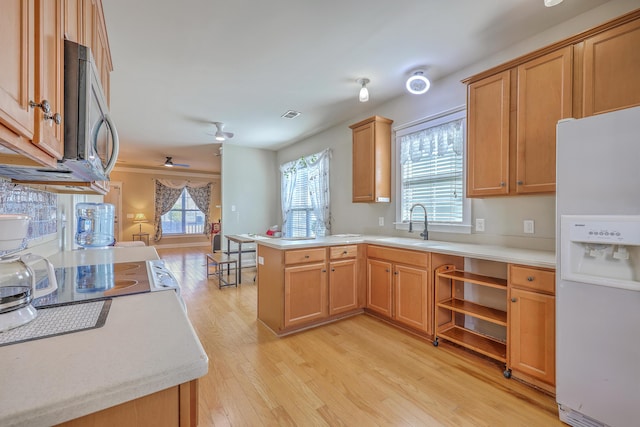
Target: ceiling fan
[[169, 163], [220, 134]]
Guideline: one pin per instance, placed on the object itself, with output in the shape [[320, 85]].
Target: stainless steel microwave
[[90, 137]]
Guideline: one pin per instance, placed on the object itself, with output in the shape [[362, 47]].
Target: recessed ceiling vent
[[291, 114]]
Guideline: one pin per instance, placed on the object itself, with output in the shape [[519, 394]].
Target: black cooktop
[[90, 282]]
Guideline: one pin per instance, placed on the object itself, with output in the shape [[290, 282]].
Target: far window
[[431, 171], [306, 210], [184, 217]]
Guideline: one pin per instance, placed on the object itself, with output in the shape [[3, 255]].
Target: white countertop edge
[[102, 399], [130, 382], [530, 257]]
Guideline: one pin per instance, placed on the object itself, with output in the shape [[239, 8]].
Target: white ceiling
[[178, 66]]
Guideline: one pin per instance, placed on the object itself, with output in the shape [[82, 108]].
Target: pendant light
[[364, 92]]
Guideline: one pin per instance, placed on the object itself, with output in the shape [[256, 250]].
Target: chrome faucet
[[425, 233]]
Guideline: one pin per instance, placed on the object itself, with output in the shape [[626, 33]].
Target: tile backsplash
[[41, 206]]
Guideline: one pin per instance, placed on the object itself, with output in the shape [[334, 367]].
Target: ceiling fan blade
[[228, 134]]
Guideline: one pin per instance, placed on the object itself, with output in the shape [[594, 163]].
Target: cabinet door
[[73, 20], [411, 297], [379, 286], [305, 294], [49, 74], [17, 71], [544, 97], [100, 48], [343, 286], [488, 136], [611, 69], [532, 334], [363, 163]]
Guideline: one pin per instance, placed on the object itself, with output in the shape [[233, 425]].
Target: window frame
[[182, 198], [416, 126]]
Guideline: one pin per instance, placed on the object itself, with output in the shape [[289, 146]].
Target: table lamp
[[139, 218]]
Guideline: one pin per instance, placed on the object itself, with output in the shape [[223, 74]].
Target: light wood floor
[[356, 372]]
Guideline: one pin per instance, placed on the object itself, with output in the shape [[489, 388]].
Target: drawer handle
[[306, 256], [344, 252], [530, 278], [514, 299]]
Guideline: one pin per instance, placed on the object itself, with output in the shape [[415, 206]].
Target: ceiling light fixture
[[364, 92], [418, 83], [550, 3]]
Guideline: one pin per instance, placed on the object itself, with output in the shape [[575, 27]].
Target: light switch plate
[[381, 221], [479, 224]]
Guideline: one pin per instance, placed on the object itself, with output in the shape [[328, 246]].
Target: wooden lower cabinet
[[300, 288], [532, 325], [343, 286], [305, 293], [532, 335], [398, 286], [379, 286], [411, 296], [173, 407]]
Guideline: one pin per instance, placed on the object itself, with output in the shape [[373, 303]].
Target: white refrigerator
[[598, 275]]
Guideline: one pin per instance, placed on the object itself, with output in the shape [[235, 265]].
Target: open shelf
[[450, 304], [463, 276], [482, 344], [489, 314]]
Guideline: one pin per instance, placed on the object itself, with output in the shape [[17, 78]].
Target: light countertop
[[535, 258], [146, 345]]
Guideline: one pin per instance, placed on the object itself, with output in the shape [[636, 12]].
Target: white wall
[[250, 187], [503, 216]]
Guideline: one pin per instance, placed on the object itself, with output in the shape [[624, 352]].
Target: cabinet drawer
[[402, 256], [304, 255], [532, 278], [339, 252]]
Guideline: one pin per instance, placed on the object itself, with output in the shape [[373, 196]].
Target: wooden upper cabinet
[[544, 96], [73, 21], [488, 136], [611, 68], [372, 160], [49, 75], [17, 75]]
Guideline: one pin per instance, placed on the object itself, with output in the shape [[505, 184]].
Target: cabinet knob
[[333, 269], [520, 183], [387, 270], [344, 252], [324, 271], [395, 272], [502, 184], [530, 279], [46, 109], [514, 299]]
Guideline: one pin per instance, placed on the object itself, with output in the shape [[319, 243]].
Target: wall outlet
[[381, 221], [479, 224], [529, 226]]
